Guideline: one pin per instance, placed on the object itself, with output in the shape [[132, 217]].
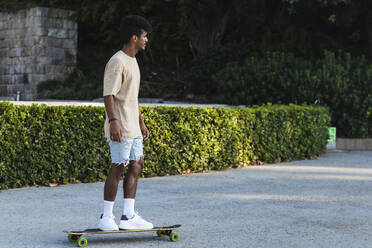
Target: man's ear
[[134, 37]]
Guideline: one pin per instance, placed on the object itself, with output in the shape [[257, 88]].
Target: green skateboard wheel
[[73, 238], [82, 242], [174, 237]]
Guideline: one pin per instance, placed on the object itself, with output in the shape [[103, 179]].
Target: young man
[[124, 127]]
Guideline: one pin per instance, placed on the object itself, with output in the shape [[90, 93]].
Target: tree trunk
[[368, 30], [205, 36], [367, 18], [272, 8], [207, 25], [369, 37]]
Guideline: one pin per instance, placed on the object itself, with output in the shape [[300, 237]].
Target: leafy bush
[[42, 145], [342, 82], [205, 65], [78, 86]]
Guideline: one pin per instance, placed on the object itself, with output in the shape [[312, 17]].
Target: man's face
[[142, 40]]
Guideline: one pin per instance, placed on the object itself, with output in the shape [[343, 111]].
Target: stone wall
[[36, 44]]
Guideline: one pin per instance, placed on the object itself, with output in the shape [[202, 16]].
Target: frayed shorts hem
[[125, 162], [125, 151]]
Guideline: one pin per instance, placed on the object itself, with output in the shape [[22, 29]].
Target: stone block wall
[[36, 44]]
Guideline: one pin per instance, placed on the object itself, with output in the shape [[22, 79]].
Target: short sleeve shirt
[[122, 80]]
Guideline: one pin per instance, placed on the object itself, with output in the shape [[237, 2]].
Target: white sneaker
[[108, 223], [137, 222]]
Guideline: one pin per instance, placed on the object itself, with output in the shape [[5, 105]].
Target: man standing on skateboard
[[124, 127]]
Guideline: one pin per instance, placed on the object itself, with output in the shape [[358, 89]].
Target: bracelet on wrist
[[112, 119]]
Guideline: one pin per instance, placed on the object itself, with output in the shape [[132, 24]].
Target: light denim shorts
[[126, 150]]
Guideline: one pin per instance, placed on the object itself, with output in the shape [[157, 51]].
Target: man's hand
[[145, 131], [115, 131]]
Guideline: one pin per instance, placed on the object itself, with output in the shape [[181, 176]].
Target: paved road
[[313, 203]]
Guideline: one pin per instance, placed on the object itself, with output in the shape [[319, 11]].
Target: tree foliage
[[185, 29]]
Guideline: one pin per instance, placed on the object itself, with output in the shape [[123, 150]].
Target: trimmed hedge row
[[42, 145]]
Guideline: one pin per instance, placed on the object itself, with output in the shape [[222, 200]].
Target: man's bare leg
[[112, 182], [131, 178], [107, 221], [130, 219]]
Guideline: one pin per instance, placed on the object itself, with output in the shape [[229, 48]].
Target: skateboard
[[75, 236]]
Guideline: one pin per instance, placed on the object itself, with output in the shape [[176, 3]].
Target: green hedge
[[340, 81], [42, 145]]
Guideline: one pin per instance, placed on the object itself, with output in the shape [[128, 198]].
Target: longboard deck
[[98, 231]]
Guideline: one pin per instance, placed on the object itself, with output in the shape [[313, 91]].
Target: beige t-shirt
[[122, 80]]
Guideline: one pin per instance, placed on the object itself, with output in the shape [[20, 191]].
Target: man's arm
[[144, 130], [115, 131]]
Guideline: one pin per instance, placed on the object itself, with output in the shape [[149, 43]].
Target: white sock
[[128, 207], [108, 206]]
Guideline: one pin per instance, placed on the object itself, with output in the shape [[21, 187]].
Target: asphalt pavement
[[325, 202]]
